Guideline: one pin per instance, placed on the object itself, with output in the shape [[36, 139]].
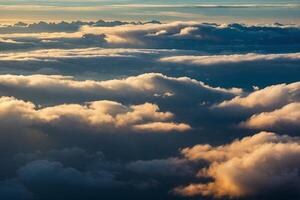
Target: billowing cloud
[[134, 88], [265, 99], [287, 117], [99, 115], [133, 34], [262, 164]]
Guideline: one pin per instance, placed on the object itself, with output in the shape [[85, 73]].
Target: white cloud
[[134, 34], [99, 116], [150, 85], [287, 116], [265, 99], [255, 165]]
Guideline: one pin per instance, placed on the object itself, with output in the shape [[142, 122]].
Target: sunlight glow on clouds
[[101, 116], [255, 165], [265, 99], [287, 116]]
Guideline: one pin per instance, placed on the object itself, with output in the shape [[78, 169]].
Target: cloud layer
[[99, 110]]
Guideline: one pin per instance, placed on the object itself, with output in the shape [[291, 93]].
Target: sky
[[149, 100], [254, 11]]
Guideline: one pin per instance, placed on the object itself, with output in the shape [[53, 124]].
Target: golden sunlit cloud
[[254, 165]]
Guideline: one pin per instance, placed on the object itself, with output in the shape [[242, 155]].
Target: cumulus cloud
[[262, 164], [232, 58], [150, 85], [287, 117], [99, 115], [133, 34], [200, 33], [266, 99], [123, 34]]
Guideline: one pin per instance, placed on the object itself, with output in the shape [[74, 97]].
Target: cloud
[[105, 122], [284, 118], [48, 55], [143, 87], [134, 34], [9, 41], [232, 58], [162, 127], [266, 99], [140, 35], [107, 116], [258, 165], [176, 35]]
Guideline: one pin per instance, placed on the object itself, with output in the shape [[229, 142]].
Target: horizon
[[128, 10]]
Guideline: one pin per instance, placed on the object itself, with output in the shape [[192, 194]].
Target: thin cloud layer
[[48, 55], [263, 164], [232, 58]]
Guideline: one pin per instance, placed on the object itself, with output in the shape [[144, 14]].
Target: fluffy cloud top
[[262, 164], [139, 87], [287, 116], [102, 116], [133, 34], [266, 99]]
